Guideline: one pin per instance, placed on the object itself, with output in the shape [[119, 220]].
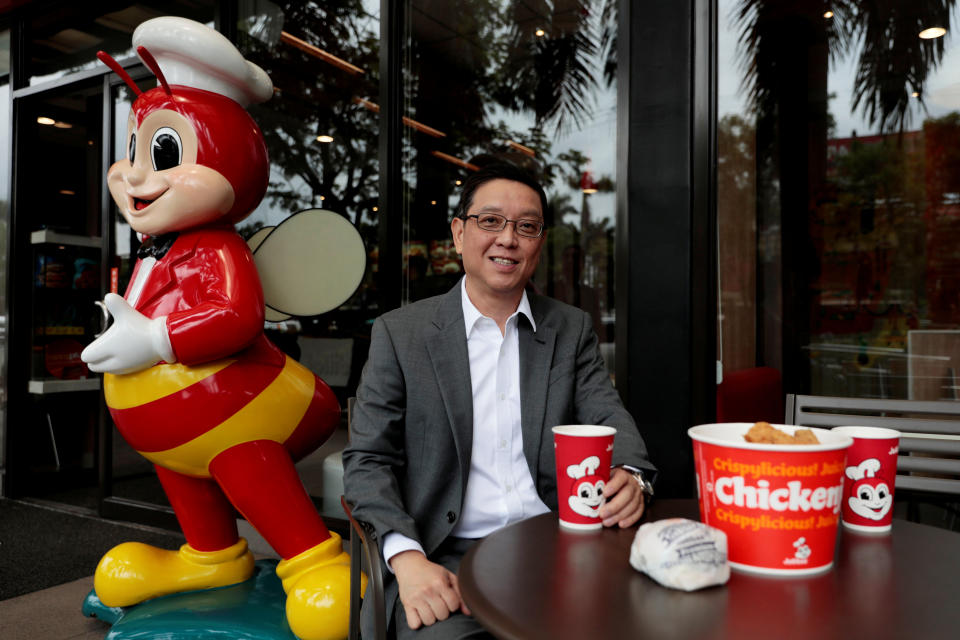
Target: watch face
[[644, 483]]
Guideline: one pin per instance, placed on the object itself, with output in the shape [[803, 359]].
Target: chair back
[[364, 553], [929, 458]]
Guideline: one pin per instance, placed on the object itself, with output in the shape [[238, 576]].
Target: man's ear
[[456, 228]]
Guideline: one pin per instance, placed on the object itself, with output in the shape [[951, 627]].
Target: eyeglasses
[[494, 222]]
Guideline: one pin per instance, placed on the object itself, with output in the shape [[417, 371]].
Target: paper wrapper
[[681, 554]]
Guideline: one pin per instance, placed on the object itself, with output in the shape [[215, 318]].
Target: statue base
[[255, 608]]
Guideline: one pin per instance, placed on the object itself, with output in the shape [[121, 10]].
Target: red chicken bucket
[[779, 504]]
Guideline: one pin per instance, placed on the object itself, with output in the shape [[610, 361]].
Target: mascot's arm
[[224, 302]]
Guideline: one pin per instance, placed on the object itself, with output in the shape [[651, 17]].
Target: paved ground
[[51, 614]]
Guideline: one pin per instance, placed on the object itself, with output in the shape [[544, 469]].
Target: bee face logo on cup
[[871, 497], [586, 493]]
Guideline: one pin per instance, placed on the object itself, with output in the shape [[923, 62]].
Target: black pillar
[[666, 227]]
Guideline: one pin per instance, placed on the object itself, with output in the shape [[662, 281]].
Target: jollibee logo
[[871, 497], [801, 554], [586, 492]]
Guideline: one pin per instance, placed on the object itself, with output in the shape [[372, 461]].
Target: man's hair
[[497, 171]]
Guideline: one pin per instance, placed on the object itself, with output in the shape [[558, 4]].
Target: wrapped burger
[[681, 554]]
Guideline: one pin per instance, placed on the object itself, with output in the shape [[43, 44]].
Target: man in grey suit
[[450, 435]]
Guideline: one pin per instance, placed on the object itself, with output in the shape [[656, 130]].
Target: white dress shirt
[[500, 489]]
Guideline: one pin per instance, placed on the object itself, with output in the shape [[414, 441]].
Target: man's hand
[[427, 590], [624, 500]]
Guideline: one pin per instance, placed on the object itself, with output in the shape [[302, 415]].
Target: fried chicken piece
[[763, 433], [805, 436]]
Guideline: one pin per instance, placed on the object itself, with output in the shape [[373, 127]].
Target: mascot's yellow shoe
[[317, 583], [133, 572]]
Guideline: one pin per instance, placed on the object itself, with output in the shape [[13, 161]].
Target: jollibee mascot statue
[[190, 379]]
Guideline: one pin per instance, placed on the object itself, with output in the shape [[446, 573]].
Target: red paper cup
[[583, 453], [870, 475], [779, 504]]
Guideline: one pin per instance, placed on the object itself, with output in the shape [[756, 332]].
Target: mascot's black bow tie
[[156, 247]]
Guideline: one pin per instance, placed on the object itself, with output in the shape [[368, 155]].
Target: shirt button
[[451, 516], [503, 444], [503, 397], [509, 488]]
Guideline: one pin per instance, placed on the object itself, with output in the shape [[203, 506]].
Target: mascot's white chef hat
[[194, 55]]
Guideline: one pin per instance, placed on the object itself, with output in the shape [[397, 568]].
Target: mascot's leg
[[214, 555], [261, 481]]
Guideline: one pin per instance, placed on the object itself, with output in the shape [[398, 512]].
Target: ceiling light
[[589, 190], [828, 14], [433, 202], [324, 138], [540, 33], [915, 94], [322, 198], [45, 120], [932, 33], [68, 192], [376, 208], [459, 182], [62, 125]]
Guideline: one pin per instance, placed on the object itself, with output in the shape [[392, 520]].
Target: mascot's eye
[[132, 151], [866, 493], [166, 149], [585, 493]]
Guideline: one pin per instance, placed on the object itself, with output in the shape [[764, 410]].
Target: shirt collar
[[471, 314]]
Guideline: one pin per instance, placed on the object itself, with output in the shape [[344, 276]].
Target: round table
[[534, 580]]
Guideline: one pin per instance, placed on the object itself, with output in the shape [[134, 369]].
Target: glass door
[[59, 251]]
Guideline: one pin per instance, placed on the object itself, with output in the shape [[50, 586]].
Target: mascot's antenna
[[108, 60], [151, 62]]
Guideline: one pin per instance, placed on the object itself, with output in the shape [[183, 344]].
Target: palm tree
[[894, 62]]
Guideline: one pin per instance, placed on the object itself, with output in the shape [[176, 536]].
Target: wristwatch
[[645, 485]]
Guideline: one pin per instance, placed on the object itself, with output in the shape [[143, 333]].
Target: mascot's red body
[[194, 386]]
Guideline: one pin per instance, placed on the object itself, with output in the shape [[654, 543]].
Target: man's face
[[500, 263]]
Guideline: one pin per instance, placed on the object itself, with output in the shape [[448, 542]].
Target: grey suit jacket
[[406, 465]]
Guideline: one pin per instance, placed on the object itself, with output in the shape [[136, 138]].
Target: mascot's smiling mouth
[[142, 203]]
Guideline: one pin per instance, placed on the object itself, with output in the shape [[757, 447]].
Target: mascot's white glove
[[134, 341]]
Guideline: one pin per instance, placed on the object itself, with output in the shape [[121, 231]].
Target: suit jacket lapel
[[163, 277], [451, 366], [536, 356]]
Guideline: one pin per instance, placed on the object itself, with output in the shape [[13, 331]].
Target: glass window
[[66, 38], [322, 134], [838, 193], [530, 83]]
